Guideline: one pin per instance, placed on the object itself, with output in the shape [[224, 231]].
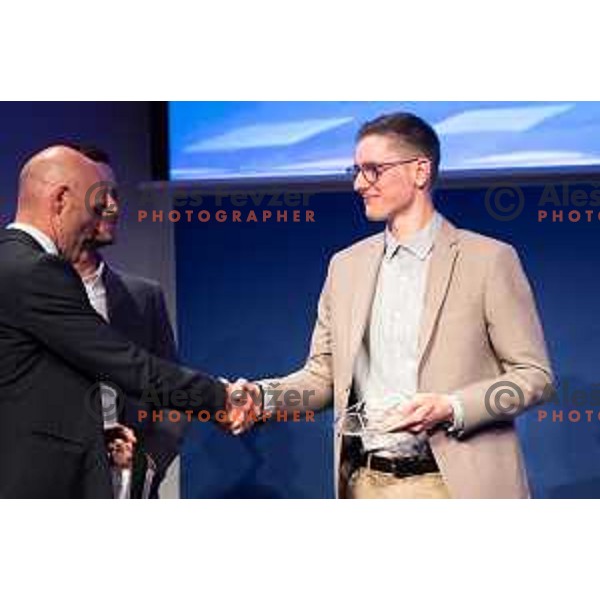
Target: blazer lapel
[[114, 289], [364, 280], [443, 258]]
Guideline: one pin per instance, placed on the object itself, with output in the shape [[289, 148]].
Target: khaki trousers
[[366, 484]]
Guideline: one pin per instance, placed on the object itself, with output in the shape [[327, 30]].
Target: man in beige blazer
[[445, 314]]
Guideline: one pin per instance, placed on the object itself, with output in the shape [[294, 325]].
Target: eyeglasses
[[373, 171]]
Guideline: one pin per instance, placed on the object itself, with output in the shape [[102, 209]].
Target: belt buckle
[[372, 456]]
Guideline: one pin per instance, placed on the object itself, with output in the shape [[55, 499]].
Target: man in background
[[136, 308]]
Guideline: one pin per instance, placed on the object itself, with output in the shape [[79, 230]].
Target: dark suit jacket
[[53, 348], [136, 308]]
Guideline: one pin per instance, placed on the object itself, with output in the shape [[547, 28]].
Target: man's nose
[[112, 207], [360, 183]]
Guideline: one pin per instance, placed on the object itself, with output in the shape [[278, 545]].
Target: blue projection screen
[[225, 140]]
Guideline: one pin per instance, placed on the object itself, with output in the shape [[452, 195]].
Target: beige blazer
[[479, 327]]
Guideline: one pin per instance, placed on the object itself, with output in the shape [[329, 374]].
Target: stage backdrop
[[247, 295]]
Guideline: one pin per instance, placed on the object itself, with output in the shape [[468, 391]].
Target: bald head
[[52, 196], [51, 168]]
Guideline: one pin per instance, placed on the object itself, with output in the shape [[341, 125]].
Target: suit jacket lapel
[[443, 257], [113, 290], [364, 280]]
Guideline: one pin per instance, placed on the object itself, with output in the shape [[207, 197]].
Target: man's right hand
[[244, 405], [120, 441]]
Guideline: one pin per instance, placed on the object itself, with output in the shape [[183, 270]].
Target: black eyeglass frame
[[378, 169]]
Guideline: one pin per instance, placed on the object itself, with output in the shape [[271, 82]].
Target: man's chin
[[375, 216]]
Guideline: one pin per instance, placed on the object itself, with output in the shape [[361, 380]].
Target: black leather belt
[[399, 467]]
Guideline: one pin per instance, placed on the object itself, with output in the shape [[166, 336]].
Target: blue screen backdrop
[[223, 140]]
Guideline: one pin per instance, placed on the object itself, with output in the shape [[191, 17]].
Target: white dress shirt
[[386, 367], [385, 372], [96, 291]]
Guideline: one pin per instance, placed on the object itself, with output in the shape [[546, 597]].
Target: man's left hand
[[422, 413]]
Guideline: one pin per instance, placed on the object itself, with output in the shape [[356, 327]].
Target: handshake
[[243, 406]]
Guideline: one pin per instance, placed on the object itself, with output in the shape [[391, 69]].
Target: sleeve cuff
[[458, 419]]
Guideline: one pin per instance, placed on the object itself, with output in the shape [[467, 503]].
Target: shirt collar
[[419, 244], [96, 277], [39, 236]]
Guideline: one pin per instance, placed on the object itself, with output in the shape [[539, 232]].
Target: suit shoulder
[[18, 260], [31, 274], [137, 283], [483, 245]]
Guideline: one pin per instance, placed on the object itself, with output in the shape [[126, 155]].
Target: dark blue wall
[[247, 297], [247, 294], [121, 128]]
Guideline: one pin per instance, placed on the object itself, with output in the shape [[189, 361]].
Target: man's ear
[[423, 173], [58, 199]]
